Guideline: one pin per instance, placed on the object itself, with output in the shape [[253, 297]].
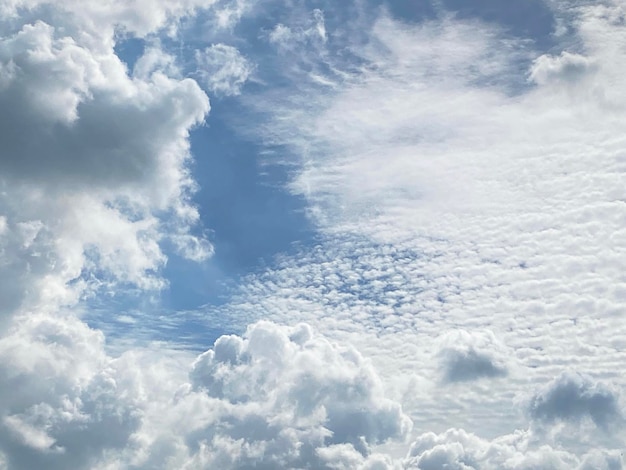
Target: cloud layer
[[468, 191]]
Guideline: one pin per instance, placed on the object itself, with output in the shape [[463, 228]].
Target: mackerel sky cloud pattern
[[370, 234]]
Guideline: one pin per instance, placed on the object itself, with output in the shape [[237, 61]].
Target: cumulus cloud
[[61, 404], [223, 69], [97, 22], [94, 180], [277, 397], [94, 162], [574, 397], [96, 127], [468, 356], [459, 450], [566, 68], [292, 393]]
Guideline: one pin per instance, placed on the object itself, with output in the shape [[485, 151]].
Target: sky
[[315, 234]]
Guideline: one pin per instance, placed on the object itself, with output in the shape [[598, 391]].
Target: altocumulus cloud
[[95, 180]]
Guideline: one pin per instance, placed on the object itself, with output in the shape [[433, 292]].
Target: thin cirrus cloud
[[223, 69], [467, 192]]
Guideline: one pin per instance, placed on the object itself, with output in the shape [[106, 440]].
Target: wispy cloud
[[223, 69]]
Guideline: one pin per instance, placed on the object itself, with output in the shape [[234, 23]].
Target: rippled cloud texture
[[458, 302]]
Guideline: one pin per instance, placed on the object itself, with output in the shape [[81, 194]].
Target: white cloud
[[468, 356], [94, 162], [223, 69], [312, 30], [277, 397], [564, 68], [291, 393], [94, 179], [454, 193], [97, 21], [227, 13], [459, 450]]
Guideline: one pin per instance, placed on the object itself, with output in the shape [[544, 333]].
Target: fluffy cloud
[[465, 356], [94, 162], [459, 450], [97, 21], [277, 397], [574, 397], [96, 127], [94, 181], [62, 400], [291, 394]]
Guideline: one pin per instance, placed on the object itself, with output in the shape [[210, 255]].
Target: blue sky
[[273, 234]]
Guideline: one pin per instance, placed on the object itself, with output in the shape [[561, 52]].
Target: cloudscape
[[316, 234]]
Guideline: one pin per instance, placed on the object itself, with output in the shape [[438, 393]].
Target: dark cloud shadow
[[464, 366], [573, 397]]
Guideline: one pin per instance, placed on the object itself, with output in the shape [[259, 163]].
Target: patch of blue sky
[[129, 50], [243, 201]]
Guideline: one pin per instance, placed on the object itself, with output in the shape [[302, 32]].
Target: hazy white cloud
[[311, 30], [227, 13], [223, 69]]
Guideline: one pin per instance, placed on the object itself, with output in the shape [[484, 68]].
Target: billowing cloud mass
[[286, 396], [276, 398], [91, 154], [459, 450], [565, 68], [460, 305]]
